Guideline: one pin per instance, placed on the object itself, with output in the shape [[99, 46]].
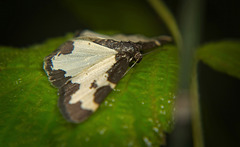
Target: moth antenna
[[130, 68]]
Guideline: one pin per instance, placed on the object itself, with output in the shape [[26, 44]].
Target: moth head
[[137, 57]]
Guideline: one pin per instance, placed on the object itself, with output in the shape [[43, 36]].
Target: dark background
[[24, 23], [30, 22]]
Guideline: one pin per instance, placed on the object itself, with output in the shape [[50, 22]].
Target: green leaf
[[222, 56], [137, 113]]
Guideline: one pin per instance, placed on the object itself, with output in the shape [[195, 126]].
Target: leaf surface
[[137, 113]]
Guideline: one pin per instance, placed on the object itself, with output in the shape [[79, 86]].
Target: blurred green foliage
[[223, 56], [136, 114]]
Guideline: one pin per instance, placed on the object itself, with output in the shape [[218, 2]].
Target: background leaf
[[222, 56], [137, 113]]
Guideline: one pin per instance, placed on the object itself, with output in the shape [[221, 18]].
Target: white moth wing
[[84, 55], [91, 34], [80, 69], [97, 74], [121, 37]]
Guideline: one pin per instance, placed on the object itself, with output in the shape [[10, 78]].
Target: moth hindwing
[[87, 68]]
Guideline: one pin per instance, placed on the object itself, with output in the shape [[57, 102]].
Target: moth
[[86, 69]]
